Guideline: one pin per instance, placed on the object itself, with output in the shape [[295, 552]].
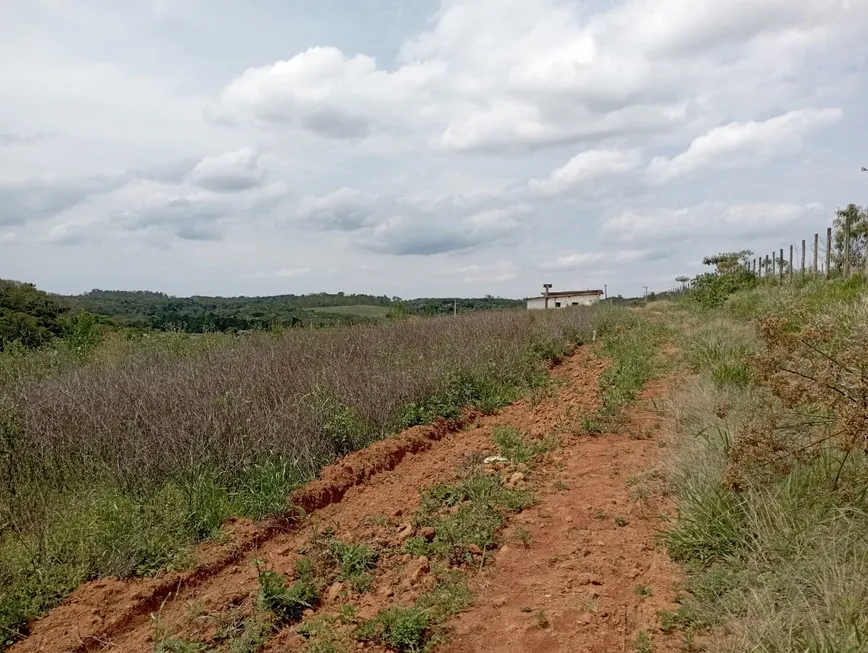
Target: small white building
[[563, 299]]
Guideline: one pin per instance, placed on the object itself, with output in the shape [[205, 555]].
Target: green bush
[[711, 290]]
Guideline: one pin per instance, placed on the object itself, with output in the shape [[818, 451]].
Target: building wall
[[566, 300]]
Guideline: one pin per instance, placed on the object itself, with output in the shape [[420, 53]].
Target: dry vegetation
[[115, 456], [771, 474]]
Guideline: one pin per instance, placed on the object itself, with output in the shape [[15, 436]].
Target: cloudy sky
[[420, 147]]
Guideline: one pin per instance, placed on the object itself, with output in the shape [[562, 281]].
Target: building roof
[[567, 293]]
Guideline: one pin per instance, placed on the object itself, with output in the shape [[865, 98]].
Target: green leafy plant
[[288, 602], [356, 561], [402, 628]]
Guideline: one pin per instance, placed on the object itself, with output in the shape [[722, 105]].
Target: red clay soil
[[598, 580], [581, 569]]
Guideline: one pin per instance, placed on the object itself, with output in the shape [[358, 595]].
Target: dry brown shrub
[[813, 371]]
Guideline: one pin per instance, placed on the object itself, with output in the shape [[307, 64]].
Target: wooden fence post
[[816, 251], [847, 247], [791, 264], [829, 252], [803, 257], [781, 266]]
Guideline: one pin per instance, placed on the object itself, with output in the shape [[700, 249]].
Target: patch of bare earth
[[589, 579]]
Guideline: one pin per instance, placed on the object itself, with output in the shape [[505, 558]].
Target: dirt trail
[[581, 568], [593, 567]]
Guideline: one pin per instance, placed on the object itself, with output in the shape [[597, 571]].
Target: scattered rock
[[417, 569], [495, 459], [334, 591], [407, 557], [308, 613], [405, 533], [427, 533], [475, 550]]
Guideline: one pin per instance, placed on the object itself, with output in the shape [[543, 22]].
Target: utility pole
[[605, 291], [454, 307], [646, 291]]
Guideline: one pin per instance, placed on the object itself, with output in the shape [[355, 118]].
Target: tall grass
[[111, 463], [773, 506]]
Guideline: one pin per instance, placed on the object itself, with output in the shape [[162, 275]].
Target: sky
[[420, 147]]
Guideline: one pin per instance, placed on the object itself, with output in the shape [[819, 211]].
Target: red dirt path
[[580, 568]]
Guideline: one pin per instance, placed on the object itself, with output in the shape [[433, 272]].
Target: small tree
[[727, 262], [858, 236]]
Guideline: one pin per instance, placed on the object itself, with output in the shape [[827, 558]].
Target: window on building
[[575, 303], [557, 304]]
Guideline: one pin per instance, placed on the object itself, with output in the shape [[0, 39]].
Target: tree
[[28, 315], [858, 236], [727, 262]]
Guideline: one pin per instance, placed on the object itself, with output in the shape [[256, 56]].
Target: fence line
[[776, 266]]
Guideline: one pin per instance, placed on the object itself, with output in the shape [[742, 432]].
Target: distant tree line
[[199, 314], [446, 305], [33, 317]]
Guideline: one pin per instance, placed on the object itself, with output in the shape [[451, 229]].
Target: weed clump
[[468, 516], [402, 628], [288, 602], [355, 562], [518, 447]]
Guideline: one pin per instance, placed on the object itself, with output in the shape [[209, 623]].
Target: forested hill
[[200, 313]]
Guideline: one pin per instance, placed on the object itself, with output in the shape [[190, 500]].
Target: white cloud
[[498, 272], [578, 261], [346, 209], [508, 75], [595, 260], [423, 234], [706, 220], [229, 172], [745, 144], [291, 272], [584, 170], [322, 91]]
